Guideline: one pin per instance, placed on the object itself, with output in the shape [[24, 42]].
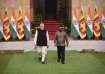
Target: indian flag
[[6, 27], [13, 28], [89, 24], [103, 24], [1, 30], [27, 26], [13, 25], [96, 25], [75, 27], [82, 25], [1, 27], [20, 26]]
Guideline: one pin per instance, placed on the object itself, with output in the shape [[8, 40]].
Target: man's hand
[[35, 47], [67, 45], [47, 46], [55, 44]]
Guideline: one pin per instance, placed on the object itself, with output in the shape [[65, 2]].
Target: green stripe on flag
[[103, 31], [74, 32], [89, 33]]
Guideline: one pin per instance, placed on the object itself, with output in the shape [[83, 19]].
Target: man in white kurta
[[41, 40]]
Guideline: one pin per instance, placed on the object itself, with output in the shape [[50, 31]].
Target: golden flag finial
[[6, 10], [20, 10]]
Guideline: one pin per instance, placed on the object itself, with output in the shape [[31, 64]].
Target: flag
[[27, 26], [6, 27], [89, 24], [96, 24], [1, 27], [20, 26], [82, 25], [13, 25], [1, 30], [103, 24], [74, 27]]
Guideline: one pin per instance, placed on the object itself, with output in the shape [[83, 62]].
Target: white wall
[[78, 45]]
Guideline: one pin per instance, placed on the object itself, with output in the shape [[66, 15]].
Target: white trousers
[[43, 51]]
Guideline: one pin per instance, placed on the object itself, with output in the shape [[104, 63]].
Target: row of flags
[[89, 26], [15, 28]]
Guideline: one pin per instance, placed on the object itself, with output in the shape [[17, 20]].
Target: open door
[[50, 9]]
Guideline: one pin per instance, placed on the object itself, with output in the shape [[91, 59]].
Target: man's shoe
[[43, 62], [39, 58], [58, 60], [63, 62]]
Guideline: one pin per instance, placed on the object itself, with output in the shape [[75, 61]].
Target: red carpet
[[52, 27]]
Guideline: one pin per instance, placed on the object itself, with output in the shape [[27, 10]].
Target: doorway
[[50, 9]]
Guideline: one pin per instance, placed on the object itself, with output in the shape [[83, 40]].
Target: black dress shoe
[[58, 60], [39, 58], [43, 62], [63, 62]]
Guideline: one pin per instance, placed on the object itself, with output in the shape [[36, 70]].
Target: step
[[51, 21], [52, 27], [51, 33]]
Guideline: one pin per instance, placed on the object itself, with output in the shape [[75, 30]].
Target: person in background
[[41, 41], [61, 40]]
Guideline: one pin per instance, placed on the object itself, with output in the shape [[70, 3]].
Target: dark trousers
[[61, 53]]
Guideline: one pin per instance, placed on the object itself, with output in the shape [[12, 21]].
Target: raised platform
[[77, 45]]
